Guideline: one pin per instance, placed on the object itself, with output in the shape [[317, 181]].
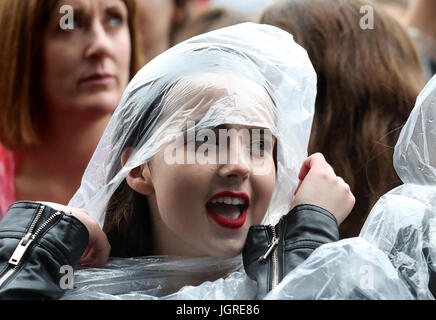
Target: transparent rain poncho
[[249, 74], [394, 256], [403, 222]]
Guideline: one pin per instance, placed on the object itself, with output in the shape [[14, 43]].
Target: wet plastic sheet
[[394, 257], [403, 225], [403, 222], [166, 278], [249, 74], [350, 269]]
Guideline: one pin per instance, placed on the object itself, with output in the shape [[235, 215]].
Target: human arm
[[57, 239], [320, 186], [271, 252]]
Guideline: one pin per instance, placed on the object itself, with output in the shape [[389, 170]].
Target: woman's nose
[[98, 44], [237, 165]]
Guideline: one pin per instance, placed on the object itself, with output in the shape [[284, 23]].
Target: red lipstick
[[225, 222], [228, 223]]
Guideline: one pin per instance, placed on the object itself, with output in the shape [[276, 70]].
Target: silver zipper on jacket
[[272, 248], [25, 242]]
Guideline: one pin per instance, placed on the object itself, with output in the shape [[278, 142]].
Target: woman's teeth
[[229, 200], [229, 208]]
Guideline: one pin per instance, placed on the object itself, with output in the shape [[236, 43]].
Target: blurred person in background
[[158, 21], [420, 19], [368, 80], [396, 8], [250, 8], [208, 20], [58, 89]]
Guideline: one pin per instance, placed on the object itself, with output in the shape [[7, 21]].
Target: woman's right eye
[[115, 20], [77, 23], [202, 140], [78, 20]]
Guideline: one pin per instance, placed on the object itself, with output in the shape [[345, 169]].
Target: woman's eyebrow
[[78, 5], [262, 130], [117, 5], [194, 124]]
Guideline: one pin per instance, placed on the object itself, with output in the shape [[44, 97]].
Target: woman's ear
[[139, 178], [126, 155]]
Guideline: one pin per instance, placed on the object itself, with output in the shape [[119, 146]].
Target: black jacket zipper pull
[[273, 244], [21, 249]]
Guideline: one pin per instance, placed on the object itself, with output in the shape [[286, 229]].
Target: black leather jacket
[[36, 241], [271, 252]]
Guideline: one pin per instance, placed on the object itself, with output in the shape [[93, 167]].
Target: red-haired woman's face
[[86, 69]]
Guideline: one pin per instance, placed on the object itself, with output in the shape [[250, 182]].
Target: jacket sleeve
[[35, 242], [297, 234], [304, 230]]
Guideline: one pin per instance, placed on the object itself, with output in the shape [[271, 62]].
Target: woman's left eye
[[261, 145], [203, 140], [258, 145], [115, 20]]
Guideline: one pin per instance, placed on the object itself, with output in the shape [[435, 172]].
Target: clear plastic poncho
[[394, 256], [249, 74]]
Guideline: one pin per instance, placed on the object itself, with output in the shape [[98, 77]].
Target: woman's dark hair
[[368, 80], [127, 222]]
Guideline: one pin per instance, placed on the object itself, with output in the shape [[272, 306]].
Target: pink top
[[8, 160]]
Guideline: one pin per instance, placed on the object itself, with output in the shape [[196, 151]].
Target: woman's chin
[[228, 250], [96, 106]]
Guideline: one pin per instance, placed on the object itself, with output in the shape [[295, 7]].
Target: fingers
[[330, 169], [316, 159], [341, 181], [94, 257], [319, 185], [98, 250]]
